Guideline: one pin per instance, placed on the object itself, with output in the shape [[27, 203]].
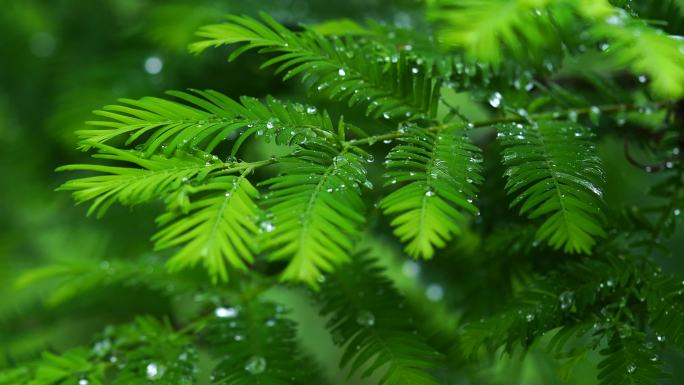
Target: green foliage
[[255, 343], [317, 211], [396, 87], [554, 172], [514, 168], [440, 169], [368, 316]]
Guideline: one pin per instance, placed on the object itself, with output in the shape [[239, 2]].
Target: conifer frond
[[439, 170], [665, 299], [316, 211], [369, 318], [482, 27], [142, 352], [76, 276], [255, 343], [554, 172], [630, 361], [490, 30], [202, 119], [147, 179], [397, 86], [645, 50], [217, 227]]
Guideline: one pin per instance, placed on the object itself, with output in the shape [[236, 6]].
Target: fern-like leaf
[[439, 169], [147, 179], [317, 211], [256, 344], [202, 119], [339, 67], [368, 316], [554, 173], [630, 361], [218, 228]]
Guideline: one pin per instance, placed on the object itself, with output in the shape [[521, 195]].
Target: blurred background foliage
[[61, 59]]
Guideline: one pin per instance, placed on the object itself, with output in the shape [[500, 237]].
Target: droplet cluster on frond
[[216, 227], [255, 343], [438, 171], [555, 174], [316, 211], [392, 86], [369, 318]]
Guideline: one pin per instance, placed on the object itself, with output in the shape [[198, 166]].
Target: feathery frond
[[629, 360], [217, 228], [396, 86], [554, 173], [316, 211], [255, 343], [369, 317], [148, 179], [202, 119], [439, 169]]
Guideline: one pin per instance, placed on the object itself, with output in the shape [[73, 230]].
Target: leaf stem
[[608, 108]]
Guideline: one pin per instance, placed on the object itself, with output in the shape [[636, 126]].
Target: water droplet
[[266, 226], [256, 365], [529, 317], [631, 368], [414, 70], [429, 193], [643, 79], [270, 323], [434, 292], [566, 299], [495, 99], [83, 381], [365, 318], [153, 371], [341, 72], [226, 312], [660, 338], [385, 115], [677, 212], [269, 124], [311, 110]]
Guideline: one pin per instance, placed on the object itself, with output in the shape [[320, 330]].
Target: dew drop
[[566, 299], [677, 212], [365, 318], [429, 193], [631, 368], [495, 99], [341, 72], [153, 371], [226, 312], [255, 365], [311, 110], [529, 317], [83, 381], [266, 226]]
